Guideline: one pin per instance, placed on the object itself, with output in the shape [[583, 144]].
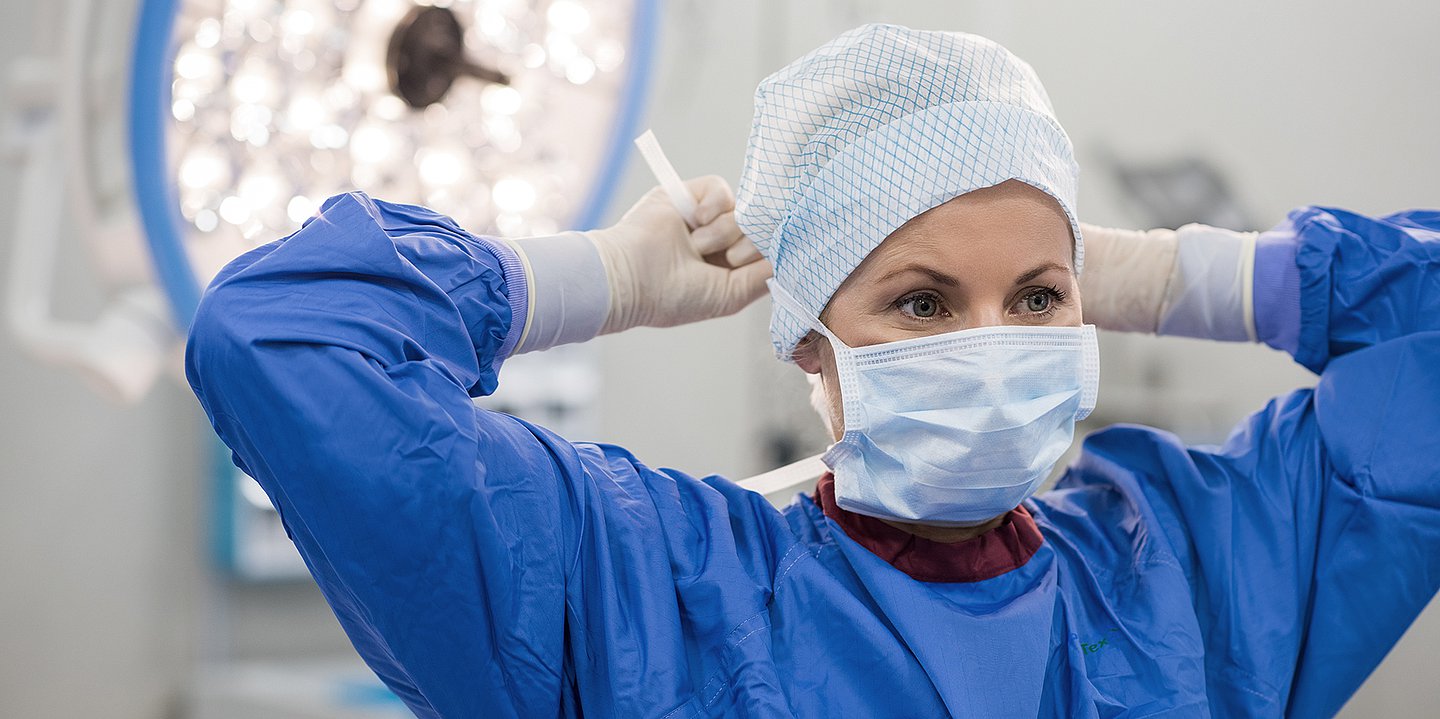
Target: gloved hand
[[648, 269], [1193, 282], [661, 274], [1126, 275]]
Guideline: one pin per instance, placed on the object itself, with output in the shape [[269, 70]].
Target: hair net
[[875, 127]]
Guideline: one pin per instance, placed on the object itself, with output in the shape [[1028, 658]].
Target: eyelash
[[907, 299], [1058, 297]]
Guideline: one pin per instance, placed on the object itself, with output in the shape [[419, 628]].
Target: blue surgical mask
[[956, 428]]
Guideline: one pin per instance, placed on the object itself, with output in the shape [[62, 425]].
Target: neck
[[946, 535]]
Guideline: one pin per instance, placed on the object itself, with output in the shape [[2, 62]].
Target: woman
[[915, 199]]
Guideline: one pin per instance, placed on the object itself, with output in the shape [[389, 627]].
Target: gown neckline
[[998, 551]]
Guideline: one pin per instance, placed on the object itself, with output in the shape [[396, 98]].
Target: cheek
[[829, 403]]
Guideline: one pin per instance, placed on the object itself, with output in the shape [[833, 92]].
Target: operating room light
[[276, 105], [221, 125], [513, 195]]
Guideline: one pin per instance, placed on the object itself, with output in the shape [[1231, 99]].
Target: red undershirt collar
[[1008, 546]]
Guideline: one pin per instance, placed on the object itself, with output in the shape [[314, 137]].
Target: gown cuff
[[517, 293], [568, 291], [1277, 291]]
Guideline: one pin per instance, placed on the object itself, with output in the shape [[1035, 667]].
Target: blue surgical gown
[[484, 567]]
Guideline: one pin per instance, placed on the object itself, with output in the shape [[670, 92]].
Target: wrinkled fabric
[[873, 128], [484, 567]]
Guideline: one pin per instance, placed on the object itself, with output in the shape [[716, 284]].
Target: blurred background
[[139, 576]]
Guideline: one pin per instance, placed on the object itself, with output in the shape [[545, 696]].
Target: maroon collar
[[987, 556]]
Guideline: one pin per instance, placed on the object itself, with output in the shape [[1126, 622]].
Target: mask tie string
[[793, 306]]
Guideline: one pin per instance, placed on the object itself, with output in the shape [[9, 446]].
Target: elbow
[[215, 345]]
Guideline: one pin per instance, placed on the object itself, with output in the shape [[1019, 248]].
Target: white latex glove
[[662, 274], [1192, 282], [647, 269], [1127, 273]]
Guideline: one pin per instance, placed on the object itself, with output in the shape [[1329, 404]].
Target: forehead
[[993, 229]]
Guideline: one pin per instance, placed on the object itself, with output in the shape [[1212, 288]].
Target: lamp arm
[[123, 351]]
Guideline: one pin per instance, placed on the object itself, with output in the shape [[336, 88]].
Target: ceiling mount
[[427, 55]]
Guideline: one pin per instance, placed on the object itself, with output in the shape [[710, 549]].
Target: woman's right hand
[[1126, 276], [662, 274], [1197, 281]]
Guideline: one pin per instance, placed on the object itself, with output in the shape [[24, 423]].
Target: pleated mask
[[956, 428]]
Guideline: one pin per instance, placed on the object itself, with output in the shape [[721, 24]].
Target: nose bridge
[[989, 312]]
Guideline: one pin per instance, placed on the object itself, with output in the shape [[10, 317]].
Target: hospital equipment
[[219, 125]]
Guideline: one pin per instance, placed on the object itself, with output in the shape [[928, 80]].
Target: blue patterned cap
[[875, 127]]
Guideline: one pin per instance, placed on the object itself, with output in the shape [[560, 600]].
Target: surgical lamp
[[512, 116]]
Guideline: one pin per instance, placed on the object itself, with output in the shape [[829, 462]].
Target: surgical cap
[[877, 126]]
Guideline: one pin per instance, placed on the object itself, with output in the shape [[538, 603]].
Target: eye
[[921, 305], [1040, 301]]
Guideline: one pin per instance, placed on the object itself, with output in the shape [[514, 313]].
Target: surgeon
[[914, 198]]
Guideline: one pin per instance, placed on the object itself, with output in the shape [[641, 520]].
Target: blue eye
[[1041, 301], [921, 305]]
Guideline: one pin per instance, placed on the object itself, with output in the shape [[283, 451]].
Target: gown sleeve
[[1311, 538], [469, 555]]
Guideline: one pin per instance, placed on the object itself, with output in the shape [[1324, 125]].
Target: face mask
[[956, 428]]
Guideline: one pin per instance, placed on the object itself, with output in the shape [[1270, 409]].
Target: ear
[[807, 353]]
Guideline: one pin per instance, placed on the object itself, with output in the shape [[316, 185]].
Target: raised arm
[[1312, 537], [1330, 282], [339, 365], [1369, 322], [1354, 280]]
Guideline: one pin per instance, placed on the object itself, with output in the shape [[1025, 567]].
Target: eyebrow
[[938, 276], [1040, 270], [950, 281]]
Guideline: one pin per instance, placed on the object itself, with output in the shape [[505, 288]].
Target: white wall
[[103, 589]]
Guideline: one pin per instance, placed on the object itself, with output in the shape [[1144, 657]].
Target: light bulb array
[[277, 104]]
